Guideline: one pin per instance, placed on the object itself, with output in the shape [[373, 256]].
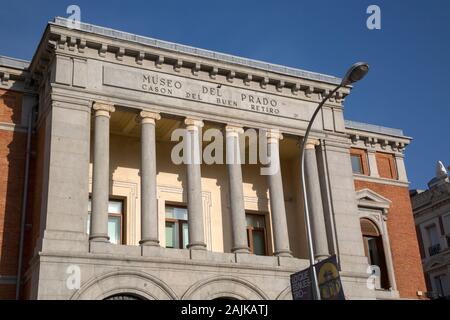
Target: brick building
[[109, 214]]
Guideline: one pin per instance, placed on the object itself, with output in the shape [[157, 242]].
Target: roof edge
[[349, 124], [204, 53], [14, 63]]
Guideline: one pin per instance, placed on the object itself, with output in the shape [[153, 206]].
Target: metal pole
[[24, 205], [315, 283]]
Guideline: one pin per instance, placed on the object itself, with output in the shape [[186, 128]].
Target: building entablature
[[431, 200], [95, 63], [117, 47], [376, 138], [14, 75]]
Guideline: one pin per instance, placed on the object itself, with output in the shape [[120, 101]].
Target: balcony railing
[[434, 249]]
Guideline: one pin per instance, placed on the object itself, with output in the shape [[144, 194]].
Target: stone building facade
[[431, 209], [108, 212]]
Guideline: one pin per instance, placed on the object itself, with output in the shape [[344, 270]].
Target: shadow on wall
[[12, 163]]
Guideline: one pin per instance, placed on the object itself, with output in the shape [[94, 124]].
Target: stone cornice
[[62, 40], [378, 141], [13, 77], [379, 180], [341, 139]]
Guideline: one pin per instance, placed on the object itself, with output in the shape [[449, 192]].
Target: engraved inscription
[[205, 92]]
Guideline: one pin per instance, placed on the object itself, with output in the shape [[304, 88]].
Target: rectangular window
[[441, 285], [386, 165], [447, 224], [115, 220], [256, 233], [357, 163], [177, 231], [433, 236]]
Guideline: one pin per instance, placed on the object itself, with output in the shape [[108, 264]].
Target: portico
[[150, 168]]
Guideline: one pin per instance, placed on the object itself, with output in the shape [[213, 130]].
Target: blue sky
[[407, 87]]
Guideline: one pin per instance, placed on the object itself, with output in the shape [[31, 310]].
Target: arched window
[[374, 250]]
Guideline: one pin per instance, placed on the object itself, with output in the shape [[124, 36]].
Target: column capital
[[312, 143], [103, 109], [149, 116], [233, 130], [273, 136], [193, 124]]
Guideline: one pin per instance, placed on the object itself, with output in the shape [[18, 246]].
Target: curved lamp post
[[354, 74]]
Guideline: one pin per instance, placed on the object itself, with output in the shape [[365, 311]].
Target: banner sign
[[328, 277]]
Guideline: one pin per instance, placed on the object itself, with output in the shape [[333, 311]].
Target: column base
[[196, 246], [240, 250], [149, 242], [283, 253], [320, 257], [99, 237]]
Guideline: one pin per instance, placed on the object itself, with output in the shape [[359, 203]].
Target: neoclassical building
[[431, 209], [93, 205]]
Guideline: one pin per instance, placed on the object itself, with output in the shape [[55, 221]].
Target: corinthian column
[[238, 221], [277, 208], [319, 233], [100, 180], [149, 208], [194, 184]]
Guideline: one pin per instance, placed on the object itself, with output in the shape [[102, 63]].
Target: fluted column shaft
[[194, 184], [319, 233], [238, 221], [100, 180], [149, 207], [277, 207]]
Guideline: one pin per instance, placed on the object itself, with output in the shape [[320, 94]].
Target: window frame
[[180, 222], [377, 236], [110, 214], [263, 230], [380, 156], [361, 169], [364, 162]]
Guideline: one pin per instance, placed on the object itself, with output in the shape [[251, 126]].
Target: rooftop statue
[[441, 172]]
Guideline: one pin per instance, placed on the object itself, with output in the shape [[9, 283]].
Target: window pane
[[356, 163], [185, 235], [114, 229], [255, 220], [170, 235], [88, 223], [433, 235], [259, 246], [373, 251], [178, 213], [115, 207]]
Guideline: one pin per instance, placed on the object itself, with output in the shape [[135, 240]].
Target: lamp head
[[355, 73]]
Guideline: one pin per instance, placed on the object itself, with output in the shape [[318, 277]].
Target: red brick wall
[[402, 236], [12, 162], [386, 165]]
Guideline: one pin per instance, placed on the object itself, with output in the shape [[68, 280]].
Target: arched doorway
[[374, 250]]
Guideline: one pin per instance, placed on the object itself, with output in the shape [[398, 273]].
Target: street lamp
[[354, 74]]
